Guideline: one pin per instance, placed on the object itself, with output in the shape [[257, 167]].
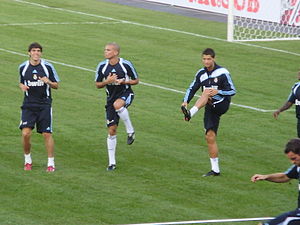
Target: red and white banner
[[267, 10]]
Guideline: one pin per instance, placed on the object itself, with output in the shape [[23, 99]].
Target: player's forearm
[[23, 87], [277, 178], [101, 84], [132, 82], [286, 106], [53, 85]]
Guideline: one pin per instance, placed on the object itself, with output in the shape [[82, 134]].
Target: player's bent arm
[[274, 177]]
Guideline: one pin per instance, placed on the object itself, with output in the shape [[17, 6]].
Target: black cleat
[[111, 167], [186, 112], [130, 138], [211, 173]]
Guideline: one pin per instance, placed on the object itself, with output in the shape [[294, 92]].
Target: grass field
[[159, 177]]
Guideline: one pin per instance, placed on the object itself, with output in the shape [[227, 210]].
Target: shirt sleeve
[[21, 78], [131, 72], [192, 89], [292, 96], [292, 172], [99, 76], [228, 88], [53, 76]]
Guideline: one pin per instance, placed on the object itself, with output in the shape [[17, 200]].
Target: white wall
[[268, 10]]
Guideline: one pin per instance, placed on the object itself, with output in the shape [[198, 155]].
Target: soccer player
[[117, 75], [292, 151], [294, 98], [217, 89], [37, 78]]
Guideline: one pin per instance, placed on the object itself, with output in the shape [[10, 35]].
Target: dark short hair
[[35, 45], [293, 146], [209, 51]]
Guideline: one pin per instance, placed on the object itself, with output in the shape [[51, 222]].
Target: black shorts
[[112, 117], [39, 115], [288, 218], [212, 115]]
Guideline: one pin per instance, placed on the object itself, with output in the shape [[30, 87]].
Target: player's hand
[[45, 79], [24, 87], [111, 78], [185, 104], [258, 177], [213, 92], [120, 81], [276, 114]]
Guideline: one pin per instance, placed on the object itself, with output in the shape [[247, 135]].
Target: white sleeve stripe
[[25, 68], [53, 70], [131, 67]]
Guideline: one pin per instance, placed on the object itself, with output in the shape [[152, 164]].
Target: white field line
[[56, 23], [206, 221], [156, 27], [143, 83]]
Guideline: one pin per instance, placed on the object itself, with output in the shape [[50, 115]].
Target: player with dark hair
[[294, 98], [292, 151], [217, 89], [117, 75], [37, 78]]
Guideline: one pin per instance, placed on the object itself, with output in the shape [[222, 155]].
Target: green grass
[[158, 177]]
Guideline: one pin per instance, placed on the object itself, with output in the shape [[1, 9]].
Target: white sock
[[215, 165], [111, 148], [27, 159], [51, 161], [193, 110], [124, 115]]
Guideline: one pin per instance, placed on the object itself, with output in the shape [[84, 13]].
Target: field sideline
[[159, 176]]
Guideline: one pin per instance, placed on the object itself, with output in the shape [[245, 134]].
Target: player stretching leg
[[218, 88], [117, 75]]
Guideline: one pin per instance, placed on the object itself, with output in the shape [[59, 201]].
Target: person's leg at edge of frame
[[26, 136], [49, 144], [213, 150]]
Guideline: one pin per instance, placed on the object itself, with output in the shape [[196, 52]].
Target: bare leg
[[49, 144], [26, 135], [213, 152], [203, 99], [212, 144]]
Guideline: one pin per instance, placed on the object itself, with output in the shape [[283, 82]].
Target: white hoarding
[[268, 10]]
